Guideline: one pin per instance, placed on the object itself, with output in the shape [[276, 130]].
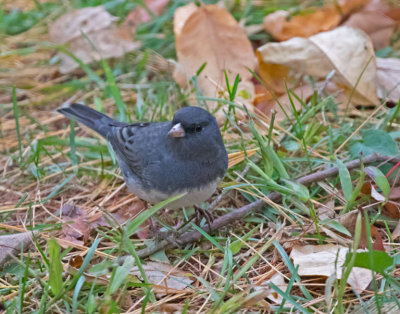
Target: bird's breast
[[191, 195]]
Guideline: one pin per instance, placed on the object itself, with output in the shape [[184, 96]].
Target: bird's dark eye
[[194, 128]]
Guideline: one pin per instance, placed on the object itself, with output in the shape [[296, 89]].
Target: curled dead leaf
[[346, 50], [282, 26]]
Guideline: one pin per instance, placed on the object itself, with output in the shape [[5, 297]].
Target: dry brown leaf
[[366, 188], [348, 221], [369, 189], [315, 20], [388, 71], [76, 227], [76, 261], [346, 50], [11, 244], [91, 35], [181, 15], [209, 34], [75, 23], [391, 209], [327, 260], [378, 20], [378, 243]]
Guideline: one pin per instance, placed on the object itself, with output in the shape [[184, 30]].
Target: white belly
[[191, 197]]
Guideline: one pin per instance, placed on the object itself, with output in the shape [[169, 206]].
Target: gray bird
[[163, 159]]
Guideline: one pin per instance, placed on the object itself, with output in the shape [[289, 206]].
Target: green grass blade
[[132, 227], [16, 117], [55, 271]]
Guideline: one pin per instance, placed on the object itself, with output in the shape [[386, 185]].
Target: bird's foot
[[203, 213], [171, 236]]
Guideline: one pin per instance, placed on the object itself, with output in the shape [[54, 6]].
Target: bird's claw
[[203, 213]]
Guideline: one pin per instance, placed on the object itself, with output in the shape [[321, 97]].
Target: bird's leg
[[154, 229], [200, 213], [171, 236]]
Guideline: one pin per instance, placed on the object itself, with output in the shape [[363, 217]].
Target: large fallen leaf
[[209, 34], [327, 260], [11, 244], [346, 50], [388, 78], [91, 35], [378, 19], [282, 26]]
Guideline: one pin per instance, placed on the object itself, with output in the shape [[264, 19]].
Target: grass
[[47, 163]]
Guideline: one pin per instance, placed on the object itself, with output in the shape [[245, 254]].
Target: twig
[[233, 216]]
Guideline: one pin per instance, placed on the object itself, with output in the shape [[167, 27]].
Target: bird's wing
[[139, 144]]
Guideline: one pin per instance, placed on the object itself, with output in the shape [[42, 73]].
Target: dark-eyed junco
[[163, 159]]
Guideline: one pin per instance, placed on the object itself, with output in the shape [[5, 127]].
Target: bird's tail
[[91, 118]]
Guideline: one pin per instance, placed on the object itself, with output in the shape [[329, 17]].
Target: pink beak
[[177, 131]]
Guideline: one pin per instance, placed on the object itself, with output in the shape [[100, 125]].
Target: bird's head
[[196, 130]]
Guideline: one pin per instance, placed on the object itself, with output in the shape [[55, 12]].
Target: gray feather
[[91, 118]]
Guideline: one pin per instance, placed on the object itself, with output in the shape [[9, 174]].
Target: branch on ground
[[225, 220]]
